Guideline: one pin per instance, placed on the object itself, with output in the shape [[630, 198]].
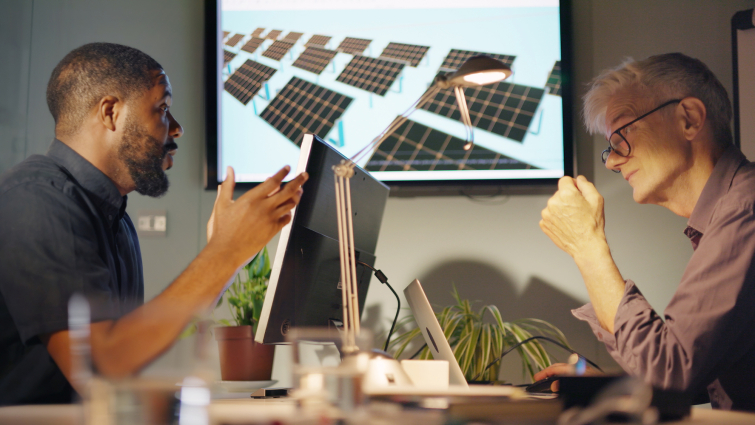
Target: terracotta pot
[[242, 359]]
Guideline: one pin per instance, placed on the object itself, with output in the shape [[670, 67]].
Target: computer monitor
[[305, 288]]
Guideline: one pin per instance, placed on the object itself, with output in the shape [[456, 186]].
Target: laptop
[[441, 349]]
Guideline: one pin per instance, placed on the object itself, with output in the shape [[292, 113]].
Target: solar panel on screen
[[371, 74], [234, 40], [273, 34], [252, 45], [225, 34], [303, 107], [554, 79], [318, 40], [417, 147], [258, 32], [353, 46], [228, 56], [314, 59], [456, 57], [410, 53], [277, 50], [503, 108], [293, 37], [247, 80]]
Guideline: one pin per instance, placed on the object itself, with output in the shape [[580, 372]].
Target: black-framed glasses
[[618, 142]]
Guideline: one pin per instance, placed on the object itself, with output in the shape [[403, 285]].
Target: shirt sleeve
[[49, 251], [708, 323]]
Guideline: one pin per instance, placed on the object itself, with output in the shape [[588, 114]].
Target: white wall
[[493, 250]]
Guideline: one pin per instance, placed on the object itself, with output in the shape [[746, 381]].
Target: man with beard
[[64, 228]]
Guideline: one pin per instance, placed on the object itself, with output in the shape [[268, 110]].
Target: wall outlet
[[152, 223]]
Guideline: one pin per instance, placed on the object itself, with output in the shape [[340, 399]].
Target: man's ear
[[109, 109], [693, 116]]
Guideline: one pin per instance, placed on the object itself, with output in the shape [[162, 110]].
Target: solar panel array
[[416, 147], [353, 46], [247, 80], [234, 40], [554, 79], [318, 40], [273, 34], [258, 32], [228, 56], [503, 108], [371, 74], [314, 59], [277, 50], [410, 53], [456, 57], [302, 107], [253, 44], [293, 37]]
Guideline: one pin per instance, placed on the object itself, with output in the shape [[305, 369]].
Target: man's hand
[[562, 369], [575, 222], [245, 225], [574, 217]]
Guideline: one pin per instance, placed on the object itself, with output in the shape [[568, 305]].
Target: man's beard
[[143, 156]]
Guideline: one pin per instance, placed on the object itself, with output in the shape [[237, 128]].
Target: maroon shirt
[[708, 337]]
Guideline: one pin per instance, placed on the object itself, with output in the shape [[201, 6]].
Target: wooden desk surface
[[231, 411]]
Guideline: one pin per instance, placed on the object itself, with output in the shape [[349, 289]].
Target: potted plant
[[242, 359], [478, 343]]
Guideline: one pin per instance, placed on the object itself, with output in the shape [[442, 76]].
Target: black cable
[[418, 351], [384, 279], [520, 343]]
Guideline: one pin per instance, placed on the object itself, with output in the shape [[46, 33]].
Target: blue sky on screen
[[255, 149]]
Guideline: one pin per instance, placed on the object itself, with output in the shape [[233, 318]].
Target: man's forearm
[[604, 283], [123, 347], [130, 343]]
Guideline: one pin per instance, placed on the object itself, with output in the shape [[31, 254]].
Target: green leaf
[[477, 344], [189, 331]]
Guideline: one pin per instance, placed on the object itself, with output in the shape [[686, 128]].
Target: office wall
[[492, 249]]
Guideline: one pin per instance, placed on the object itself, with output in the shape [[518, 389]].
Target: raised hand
[[242, 227], [573, 218]]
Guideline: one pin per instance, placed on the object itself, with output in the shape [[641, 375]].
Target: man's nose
[[613, 161], [176, 130]]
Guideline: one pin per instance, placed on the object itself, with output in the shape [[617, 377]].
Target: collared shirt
[[63, 230], [708, 337]]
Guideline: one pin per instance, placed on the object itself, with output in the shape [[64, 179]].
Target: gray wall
[[492, 249]]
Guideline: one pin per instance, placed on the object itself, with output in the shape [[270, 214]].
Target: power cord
[[384, 279], [520, 343]]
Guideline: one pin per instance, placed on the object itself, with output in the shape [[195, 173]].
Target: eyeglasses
[[618, 143]]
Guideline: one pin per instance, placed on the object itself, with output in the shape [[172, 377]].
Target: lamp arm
[[461, 101], [396, 123]]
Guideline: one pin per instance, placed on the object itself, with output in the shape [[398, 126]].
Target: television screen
[[346, 69]]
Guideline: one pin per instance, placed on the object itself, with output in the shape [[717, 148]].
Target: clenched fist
[[574, 217]]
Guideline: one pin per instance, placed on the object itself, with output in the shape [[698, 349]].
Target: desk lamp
[[475, 71]]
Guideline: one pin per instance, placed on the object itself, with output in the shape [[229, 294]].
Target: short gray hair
[[659, 79]]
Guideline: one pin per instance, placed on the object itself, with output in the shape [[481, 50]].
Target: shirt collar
[[102, 191], [718, 185]]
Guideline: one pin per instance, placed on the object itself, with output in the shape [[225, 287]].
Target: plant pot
[[242, 359]]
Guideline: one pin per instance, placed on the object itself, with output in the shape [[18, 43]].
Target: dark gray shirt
[[708, 336], [63, 229]]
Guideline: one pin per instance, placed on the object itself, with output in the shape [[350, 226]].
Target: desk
[[237, 411]]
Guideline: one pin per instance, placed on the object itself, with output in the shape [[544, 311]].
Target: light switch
[[152, 223]]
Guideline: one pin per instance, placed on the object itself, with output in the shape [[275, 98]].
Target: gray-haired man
[[667, 121]]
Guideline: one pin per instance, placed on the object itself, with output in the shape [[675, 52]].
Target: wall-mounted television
[[346, 69]]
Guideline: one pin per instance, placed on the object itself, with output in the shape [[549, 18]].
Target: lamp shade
[[476, 71]]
